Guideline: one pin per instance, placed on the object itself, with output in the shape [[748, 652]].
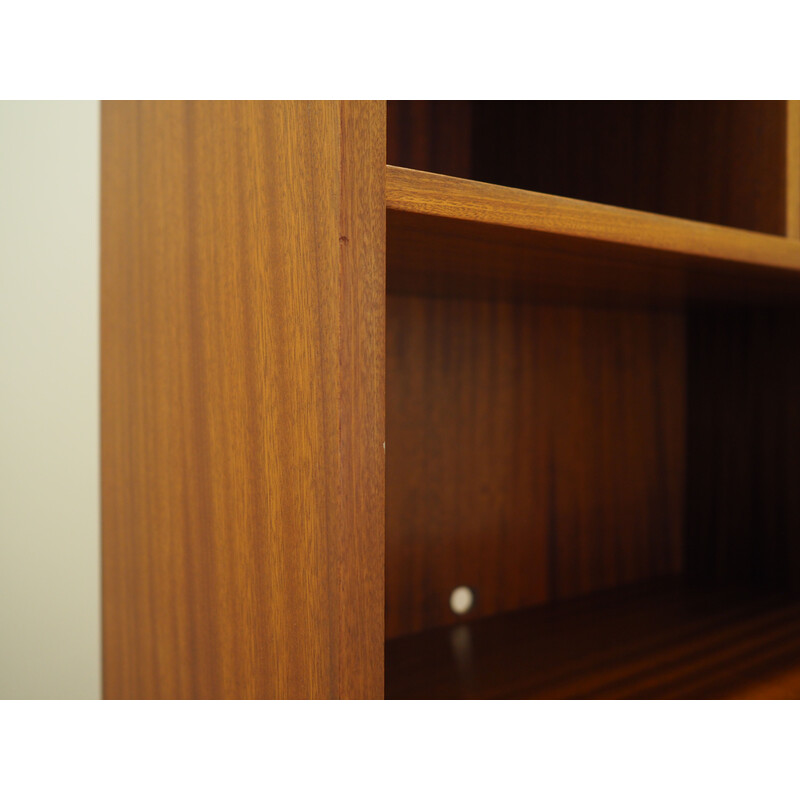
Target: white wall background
[[49, 403]]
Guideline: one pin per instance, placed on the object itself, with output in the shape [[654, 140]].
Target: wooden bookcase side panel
[[242, 369]]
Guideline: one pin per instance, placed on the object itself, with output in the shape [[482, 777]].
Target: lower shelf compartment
[[660, 640]]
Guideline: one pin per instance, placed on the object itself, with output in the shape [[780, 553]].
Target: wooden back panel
[[714, 161], [533, 453], [243, 318], [541, 452]]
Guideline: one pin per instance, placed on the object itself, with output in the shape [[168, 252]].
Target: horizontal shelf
[[449, 235], [649, 641]]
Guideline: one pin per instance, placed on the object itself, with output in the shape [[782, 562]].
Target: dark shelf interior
[[712, 161], [590, 410]]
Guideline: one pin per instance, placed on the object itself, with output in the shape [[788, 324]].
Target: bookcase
[[448, 399]]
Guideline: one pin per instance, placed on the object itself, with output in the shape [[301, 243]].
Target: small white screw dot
[[462, 598]]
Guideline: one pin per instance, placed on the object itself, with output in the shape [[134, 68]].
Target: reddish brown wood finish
[[455, 237], [533, 453], [242, 399], [560, 375]]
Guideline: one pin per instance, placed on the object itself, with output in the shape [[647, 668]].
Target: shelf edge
[[429, 194]]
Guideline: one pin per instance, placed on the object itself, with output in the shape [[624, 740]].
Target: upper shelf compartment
[[449, 235], [723, 162]]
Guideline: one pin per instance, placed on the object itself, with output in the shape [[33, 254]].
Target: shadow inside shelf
[[659, 640]]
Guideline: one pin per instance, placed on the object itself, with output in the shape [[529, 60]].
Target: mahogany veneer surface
[[533, 453], [242, 399], [453, 237]]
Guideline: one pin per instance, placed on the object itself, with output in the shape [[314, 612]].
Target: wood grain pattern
[[793, 169], [547, 409], [533, 453], [655, 641], [242, 399], [456, 238], [427, 194], [721, 162]]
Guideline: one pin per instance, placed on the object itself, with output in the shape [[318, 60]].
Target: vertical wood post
[[793, 169], [243, 296]]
